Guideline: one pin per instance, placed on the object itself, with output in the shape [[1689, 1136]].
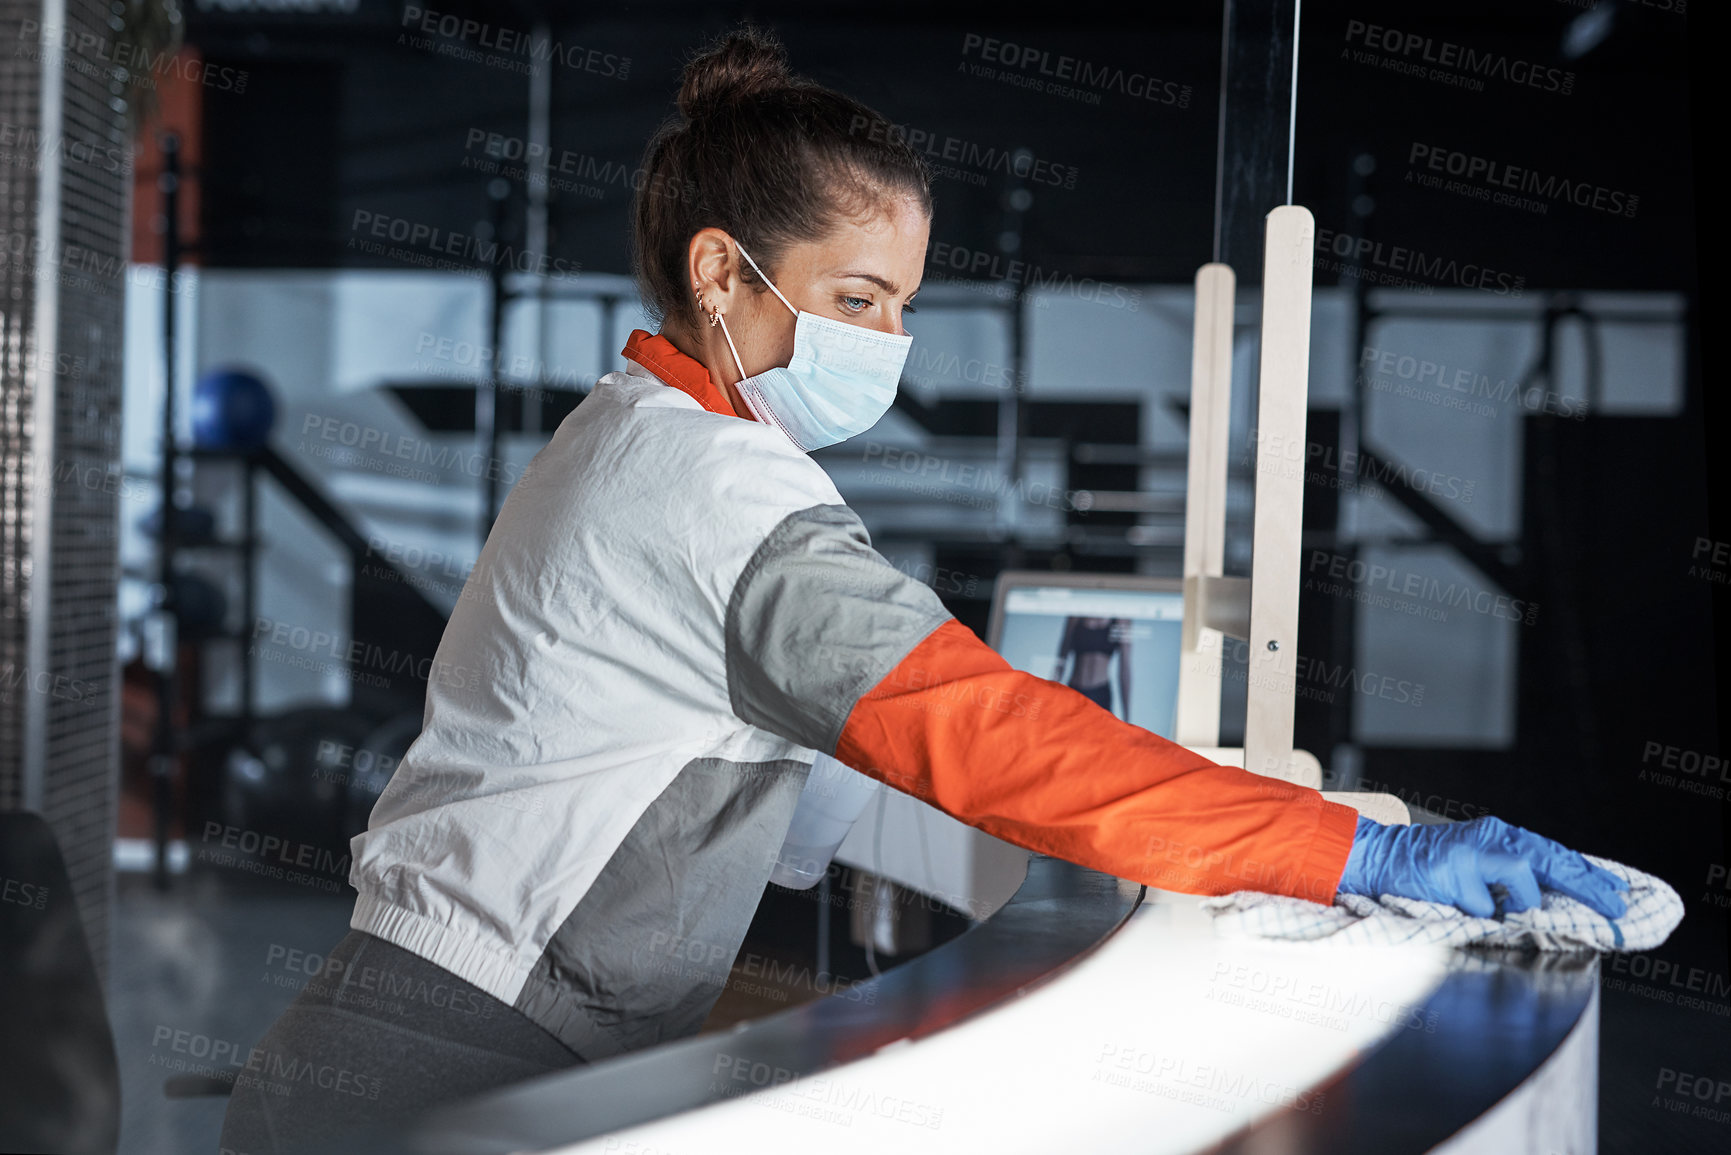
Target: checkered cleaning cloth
[[1560, 923]]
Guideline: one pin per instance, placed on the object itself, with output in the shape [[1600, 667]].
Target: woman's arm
[[832, 647], [1038, 764]]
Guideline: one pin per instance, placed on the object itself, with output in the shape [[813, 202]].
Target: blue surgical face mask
[[841, 380]]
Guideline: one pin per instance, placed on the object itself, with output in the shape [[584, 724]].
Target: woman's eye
[[855, 304], [909, 308]]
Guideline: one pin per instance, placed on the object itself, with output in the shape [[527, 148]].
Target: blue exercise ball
[[232, 409]]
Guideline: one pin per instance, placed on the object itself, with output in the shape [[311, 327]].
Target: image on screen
[[1118, 647]]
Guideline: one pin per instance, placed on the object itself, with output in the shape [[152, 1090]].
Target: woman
[[1094, 642], [675, 609]]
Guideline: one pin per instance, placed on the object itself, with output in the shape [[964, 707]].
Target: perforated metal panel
[[64, 178]]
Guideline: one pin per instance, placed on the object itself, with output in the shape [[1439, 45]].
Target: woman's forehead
[[887, 249]]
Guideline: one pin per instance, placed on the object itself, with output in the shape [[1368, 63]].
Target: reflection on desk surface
[[1164, 1039]]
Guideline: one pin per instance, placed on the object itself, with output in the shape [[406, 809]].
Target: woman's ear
[[710, 262]]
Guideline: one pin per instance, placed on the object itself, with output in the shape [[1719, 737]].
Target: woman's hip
[[377, 1033]]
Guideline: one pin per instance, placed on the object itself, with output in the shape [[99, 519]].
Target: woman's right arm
[[832, 647]]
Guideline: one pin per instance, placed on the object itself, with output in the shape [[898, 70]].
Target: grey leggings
[[380, 1033]]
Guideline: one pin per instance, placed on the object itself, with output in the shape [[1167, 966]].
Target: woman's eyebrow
[[887, 286]]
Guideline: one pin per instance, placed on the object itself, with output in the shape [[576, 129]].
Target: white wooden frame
[[1261, 610]]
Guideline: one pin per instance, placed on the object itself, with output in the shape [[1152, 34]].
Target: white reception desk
[[1090, 1015]]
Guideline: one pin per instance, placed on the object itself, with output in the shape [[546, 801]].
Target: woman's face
[[865, 272]]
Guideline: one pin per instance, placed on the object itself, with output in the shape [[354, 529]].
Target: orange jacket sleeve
[[1037, 764]]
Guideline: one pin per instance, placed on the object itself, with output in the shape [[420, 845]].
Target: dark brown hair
[[770, 157]]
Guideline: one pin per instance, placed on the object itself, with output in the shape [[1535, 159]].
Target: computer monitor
[[1100, 634]]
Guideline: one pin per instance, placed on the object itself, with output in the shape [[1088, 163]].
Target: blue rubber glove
[[1458, 863]]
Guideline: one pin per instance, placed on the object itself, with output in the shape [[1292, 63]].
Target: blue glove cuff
[[1357, 877]]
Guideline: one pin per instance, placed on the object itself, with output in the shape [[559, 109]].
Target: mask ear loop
[[766, 279], [717, 315]]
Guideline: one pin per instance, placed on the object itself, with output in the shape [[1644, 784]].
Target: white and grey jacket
[[584, 831]]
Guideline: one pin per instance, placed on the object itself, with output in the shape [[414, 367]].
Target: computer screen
[[1112, 638]]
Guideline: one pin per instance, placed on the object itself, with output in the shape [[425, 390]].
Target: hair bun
[[741, 64]]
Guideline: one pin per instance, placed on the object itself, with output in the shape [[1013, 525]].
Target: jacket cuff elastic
[[1319, 877]]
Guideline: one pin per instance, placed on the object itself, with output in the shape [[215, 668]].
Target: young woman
[[675, 609]]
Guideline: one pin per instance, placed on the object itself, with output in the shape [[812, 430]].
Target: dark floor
[[208, 966], [205, 959]]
